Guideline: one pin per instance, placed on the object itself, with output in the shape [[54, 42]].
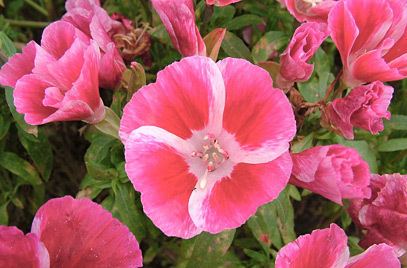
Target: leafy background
[[70, 158]]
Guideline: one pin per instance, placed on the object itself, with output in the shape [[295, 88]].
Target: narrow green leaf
[[20, 167], [6, 45], [393, 145], [235, 47], [397, 122], [270, 43], [242, 21]]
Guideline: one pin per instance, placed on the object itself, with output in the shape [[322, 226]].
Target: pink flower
[[364, 107], [57, 81], [221, 3], [69, 232], [384, 215], [310, 10], [327, 248], [333, 171], [201, 161], [93, 20], [178, 17], [371, 38], [303, 45]]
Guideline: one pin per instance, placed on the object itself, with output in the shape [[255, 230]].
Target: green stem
[[37, 7], [27, 23]]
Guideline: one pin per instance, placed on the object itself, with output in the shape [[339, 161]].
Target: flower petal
[[233, 199], [267, 124], [80, 233], [189, 95], [18, 250], [325, 248], [155, 164], [18, 65], [377, 256]]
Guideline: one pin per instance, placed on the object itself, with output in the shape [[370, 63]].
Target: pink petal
[[80, 13], [221, 3], [155, 163], [59, 36], [377, 256], [267, 124], [18, 65], [344, 30], [323, 248], [111, 67], [303, 11], [233, 199], [18, 250], [28, 96], [80, 233], [179, 20], [187, 96]]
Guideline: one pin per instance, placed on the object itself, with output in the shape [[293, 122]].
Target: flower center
[[212, 153], [313, 2]]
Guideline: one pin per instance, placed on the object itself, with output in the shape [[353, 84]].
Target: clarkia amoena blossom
[[371, 36], [327, 248], [68, 233], [221, 3], [384, 215], [310, 10], [207, 144]]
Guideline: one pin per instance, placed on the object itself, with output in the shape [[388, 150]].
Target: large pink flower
[[327, 248], [69, 232], [364, 107], [384, 215], [93, 20], [57, 81], [221, 3], [310, 10], [333, 171], [371, 38], [302, 47], [206, 145], [178, 17]]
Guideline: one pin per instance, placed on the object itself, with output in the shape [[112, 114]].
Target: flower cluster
[[208, 142]]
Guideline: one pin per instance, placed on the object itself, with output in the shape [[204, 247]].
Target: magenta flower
[[207, 144], [371, 38], [333, 171], [178, 17], [302, 47], [93, 20], [384, 215], [57, 81], [221, 3], [364, 107], [327, 248], [68, 232], [310, 10]]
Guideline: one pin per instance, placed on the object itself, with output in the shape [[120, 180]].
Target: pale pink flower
[[93, 20], [327, 248], [221, 3], [333, 171], [384, 215], [68, 232], [305, 42], [207, 144], [310, 10], [364, 107], [57, 81], [178, 17], [371, 38]]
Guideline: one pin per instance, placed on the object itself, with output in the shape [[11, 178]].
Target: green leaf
[[4, 126], [206, 250], [6, 45], [243, 21], [235, 47], [302, 143], [393, 145], [270, 43], [39, 150], [125, 209], [222, 15], [397, 122], [20, 167], [4, 214]]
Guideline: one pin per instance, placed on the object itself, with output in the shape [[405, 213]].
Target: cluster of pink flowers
[[200, 162]]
